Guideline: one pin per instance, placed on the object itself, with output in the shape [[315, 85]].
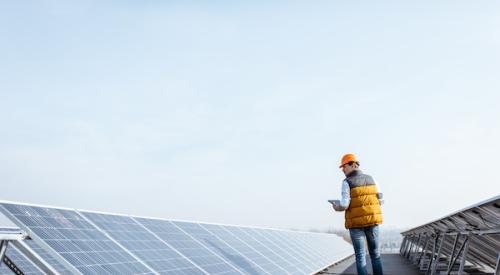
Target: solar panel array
[[467, 240], [85, 242]]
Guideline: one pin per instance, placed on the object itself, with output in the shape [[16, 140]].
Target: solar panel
[[82, 247], [291, 264], [24, 265], [327, 246], [299, 239], [146, 246], [47, 257], [288, 245], [309, 240], [219, 247], [188, 246], [471, 234], [260, 247], [86, 242], [322, 249], [22, 261], [244, 249]]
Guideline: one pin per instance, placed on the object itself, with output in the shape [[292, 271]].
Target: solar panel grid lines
[[92, 242], [72, 240], [250, 252], [290, 245], [188, 246], [294, 264], [41, 244], [291, 240], [302, 245], [141, 242], [267, 252], [321, 246], [51, 262], [219, 247], [325, 242], [117, 243], [321, 243], [174, 249], [23, 263], [183, 229], [326, 259], [304, 240], [307, 240]]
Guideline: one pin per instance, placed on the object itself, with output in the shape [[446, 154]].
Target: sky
[[239, 112]]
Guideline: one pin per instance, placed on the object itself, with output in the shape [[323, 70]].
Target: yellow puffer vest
[[364, 209]]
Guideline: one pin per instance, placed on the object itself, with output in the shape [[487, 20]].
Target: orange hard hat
[[347, 158]]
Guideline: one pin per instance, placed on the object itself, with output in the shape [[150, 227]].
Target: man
[[361, 200]]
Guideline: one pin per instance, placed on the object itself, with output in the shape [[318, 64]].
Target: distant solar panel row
[[72, 241]]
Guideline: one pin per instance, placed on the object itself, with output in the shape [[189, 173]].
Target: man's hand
[[337, 207]]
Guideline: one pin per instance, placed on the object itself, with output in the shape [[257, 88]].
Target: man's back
[[364, 207]]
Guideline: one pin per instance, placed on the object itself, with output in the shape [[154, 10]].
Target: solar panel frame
[[184, 245], [323, 243], [297, 238], [245, 249], [20, 260], [117, 243], [219, 247], [38, 240], [143, 252], [305, 237], [479, 224], [50, 261], [259, 246], [293, 262], [321, 249], [287, 243], [309, 240], [274, 246], [60, 242]]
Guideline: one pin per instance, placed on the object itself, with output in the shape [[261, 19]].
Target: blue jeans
[[358, 241]]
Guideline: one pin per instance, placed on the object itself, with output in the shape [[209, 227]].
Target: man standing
[[361, 200]]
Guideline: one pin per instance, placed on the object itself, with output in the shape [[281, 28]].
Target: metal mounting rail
[[464, 241]]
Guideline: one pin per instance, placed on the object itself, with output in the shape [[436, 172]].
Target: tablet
[[336, 202]]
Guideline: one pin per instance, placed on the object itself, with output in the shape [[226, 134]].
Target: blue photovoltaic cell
[[77, 241], [25, 265], [147, 247], [291, 264], [219, 247], [335, 247], [288, 245], [188, 246], [304, 247], [244, 249], [329, 247], [261, 248], [54, 263], [306, 250], [309, 244]]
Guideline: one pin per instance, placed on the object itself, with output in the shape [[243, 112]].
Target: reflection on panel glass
[[143, 244], [77, 241], [188, 246]]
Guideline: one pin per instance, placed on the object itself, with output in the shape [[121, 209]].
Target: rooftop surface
[[392, 264]]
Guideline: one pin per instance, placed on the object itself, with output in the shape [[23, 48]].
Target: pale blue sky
[[238, 113]]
